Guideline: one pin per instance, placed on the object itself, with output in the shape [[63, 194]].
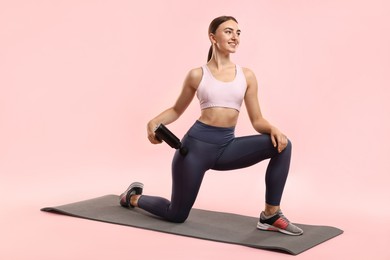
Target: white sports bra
[[215, 93]]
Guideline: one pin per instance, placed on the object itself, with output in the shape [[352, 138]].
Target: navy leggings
[[217, 148]]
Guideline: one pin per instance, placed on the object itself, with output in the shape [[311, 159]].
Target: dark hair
[[214, 26]]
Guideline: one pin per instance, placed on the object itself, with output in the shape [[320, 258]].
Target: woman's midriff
[[219, 116]]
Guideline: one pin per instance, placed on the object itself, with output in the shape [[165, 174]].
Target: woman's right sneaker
[[134, 189], [278, 222]]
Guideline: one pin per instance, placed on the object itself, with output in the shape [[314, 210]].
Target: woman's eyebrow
[[229, 28]]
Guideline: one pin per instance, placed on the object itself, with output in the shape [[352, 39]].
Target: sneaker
[[134, 189], [278, 222]]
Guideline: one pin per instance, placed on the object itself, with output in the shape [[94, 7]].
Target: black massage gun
[[163, 134]]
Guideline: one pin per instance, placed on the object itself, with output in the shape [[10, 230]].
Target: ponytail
[[210, 53]]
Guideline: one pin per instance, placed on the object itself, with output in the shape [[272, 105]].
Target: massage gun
[[163, 134]]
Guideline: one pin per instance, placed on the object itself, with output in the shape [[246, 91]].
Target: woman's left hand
[[279, 140]]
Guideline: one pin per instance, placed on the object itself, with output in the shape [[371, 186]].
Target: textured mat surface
[[203, 224]]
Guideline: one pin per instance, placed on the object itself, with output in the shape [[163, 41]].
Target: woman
[[221, 86]]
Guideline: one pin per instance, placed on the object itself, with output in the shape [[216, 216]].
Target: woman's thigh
[[188, 171], [246, 151]]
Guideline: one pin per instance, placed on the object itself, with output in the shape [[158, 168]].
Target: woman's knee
[[288, 147], [179, 217], [289, 144]]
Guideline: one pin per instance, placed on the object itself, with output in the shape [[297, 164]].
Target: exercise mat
[[203, 224]]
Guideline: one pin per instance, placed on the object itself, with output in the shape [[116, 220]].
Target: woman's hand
[[171, 114], [151, 135], [279, 140]]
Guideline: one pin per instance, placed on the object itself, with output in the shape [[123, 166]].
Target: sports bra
[[212, 92]]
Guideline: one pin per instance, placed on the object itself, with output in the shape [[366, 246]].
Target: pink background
[[80, 79]]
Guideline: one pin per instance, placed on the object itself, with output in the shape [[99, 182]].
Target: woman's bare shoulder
[[250, 76], [196, 73], [194, 76], [248, 72]]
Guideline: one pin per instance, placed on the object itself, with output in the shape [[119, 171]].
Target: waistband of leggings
[[221, 128], [211, 134]]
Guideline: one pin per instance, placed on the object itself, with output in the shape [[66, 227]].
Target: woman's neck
[[220, 62]]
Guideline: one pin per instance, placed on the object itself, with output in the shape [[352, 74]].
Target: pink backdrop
[[80, 79]]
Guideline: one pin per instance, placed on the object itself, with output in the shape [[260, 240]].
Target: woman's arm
[[170, 115], [259, 123]]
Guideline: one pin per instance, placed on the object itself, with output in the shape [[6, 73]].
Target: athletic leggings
[[217, 148]]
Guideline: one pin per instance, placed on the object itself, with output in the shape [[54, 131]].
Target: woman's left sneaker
[[278, 222]]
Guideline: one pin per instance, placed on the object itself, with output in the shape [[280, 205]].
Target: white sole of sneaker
[[267, 227]]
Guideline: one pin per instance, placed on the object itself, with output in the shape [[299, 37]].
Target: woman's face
[[227, 37]]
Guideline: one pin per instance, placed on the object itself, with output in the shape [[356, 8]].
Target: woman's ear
[[212, 38]]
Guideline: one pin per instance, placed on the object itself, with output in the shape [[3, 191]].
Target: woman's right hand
[[151, 135]]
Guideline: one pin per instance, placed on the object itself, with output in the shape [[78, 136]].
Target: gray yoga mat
[[203, 224]]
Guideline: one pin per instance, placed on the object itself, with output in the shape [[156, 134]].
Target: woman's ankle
[[270, 209], [134, 200]]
